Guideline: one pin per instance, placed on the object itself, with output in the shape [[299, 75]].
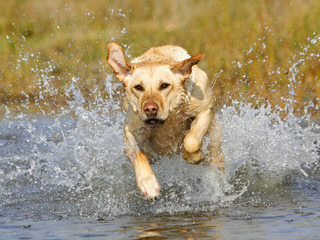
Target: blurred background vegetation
[[258, 51]]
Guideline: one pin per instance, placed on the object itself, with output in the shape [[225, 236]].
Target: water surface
[[68, 178]]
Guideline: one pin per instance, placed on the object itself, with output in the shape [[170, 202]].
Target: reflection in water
[[290, 221], [182, 226], [287, 222]]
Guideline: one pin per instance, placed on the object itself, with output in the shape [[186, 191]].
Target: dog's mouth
[[153, 121]]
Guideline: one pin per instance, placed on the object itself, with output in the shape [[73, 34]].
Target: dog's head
[[153, 89]]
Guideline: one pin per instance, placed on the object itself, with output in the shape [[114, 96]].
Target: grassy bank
[[250, 46]]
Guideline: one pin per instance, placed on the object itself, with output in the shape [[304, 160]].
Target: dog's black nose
[[151, 109]]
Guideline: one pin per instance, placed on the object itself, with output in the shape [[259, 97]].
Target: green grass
[[263, 37]]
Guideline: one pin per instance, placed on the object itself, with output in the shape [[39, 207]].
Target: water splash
[[73, 163]]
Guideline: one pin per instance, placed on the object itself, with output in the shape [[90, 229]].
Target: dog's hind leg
[[216, 155]]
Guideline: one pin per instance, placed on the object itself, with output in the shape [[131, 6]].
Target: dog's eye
[[139, 87], [164, 86]]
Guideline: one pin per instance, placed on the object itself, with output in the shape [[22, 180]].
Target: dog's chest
[[167, 138]]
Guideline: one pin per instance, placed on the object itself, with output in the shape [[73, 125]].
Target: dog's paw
[[191, 144], [193, 158], [148, 185], [146, 180]]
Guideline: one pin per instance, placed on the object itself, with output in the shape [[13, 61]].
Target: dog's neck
[[167, 137]]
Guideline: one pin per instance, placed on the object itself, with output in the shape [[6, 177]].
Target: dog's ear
[[117, 61], [185, 66]]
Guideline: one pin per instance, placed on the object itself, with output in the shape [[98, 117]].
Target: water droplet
[[314, 41]]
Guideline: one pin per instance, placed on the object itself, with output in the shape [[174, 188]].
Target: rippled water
[[66, 177]]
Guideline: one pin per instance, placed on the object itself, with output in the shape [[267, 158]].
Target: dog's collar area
[[153, 121]]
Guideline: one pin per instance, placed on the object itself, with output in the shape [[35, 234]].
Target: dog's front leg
[[193, 140], [145, 178]]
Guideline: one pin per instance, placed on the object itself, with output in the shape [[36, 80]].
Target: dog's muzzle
[[151, 111]]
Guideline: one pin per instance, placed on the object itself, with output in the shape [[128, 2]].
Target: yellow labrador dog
[[170, 109]]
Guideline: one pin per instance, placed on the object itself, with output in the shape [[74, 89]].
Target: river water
[[65, 176]]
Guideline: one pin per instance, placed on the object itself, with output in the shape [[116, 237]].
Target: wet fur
[[187, 97]]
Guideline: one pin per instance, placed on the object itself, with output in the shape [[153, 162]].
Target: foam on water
[[72, 164]]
